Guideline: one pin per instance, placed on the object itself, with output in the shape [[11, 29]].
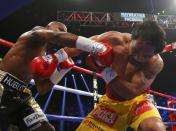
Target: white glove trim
[[89, 45], [108, 74], [61, 55], [56, 77]]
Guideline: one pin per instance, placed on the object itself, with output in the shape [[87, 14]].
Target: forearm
[[73, 41], [70, 40], [72, 51], [66, 39], [43, 86]]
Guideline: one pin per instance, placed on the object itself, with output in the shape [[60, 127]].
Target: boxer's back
[[18, 58]]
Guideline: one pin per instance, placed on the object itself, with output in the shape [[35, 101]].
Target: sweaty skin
[[32, 44], [137, 66]]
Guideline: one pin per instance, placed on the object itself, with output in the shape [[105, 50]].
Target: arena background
[[18, 16]]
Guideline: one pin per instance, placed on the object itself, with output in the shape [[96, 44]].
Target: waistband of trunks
[[11, 81]]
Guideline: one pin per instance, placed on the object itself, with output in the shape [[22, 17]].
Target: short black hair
[[150, 31]]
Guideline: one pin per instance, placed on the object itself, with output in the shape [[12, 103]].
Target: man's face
[[141, 50]]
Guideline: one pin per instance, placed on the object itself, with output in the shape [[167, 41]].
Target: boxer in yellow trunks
[[129, 63], [132, 113], [135, 64]]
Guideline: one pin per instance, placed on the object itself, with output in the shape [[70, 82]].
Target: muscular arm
[[59, 38], [72, 51], [42, 36], [43, 86], [139, 82]]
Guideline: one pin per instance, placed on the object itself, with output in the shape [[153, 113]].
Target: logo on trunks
[[10, 81], [34, 118], [105, 115], [144, 106], [92, 125]]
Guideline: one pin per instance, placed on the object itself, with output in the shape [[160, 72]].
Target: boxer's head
[[57, 26], [148, 39]]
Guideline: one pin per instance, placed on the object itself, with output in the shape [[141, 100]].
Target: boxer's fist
[[91, 62], [43, 66], [108, 74], [104, 58]]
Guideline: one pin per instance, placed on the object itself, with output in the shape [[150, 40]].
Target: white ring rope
[[66, 118], [67, 89], [75, 91], [165, 108], [80, 92], [170, 123]]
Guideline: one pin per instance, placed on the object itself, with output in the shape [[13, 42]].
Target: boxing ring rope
[[168, 48], [80, 92], [65, 118], [6, 43], [84, 93], [70, 90]]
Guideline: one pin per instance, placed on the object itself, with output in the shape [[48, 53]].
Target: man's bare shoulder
[[126, 37], [24, 37], [110, 34], [158, 64], [112, 37], [34, 34], [30, 32], [155, 67]]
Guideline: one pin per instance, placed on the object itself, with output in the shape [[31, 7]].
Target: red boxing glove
[[168, 48], [104, 58], [66, 64], [90, 61], [43, 66], [62, 69], [108, 74]]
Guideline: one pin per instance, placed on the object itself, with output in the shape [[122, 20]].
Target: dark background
[[19, 16]]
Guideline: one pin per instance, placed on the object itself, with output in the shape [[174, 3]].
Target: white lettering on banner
[[105, 115], [34, 118], [133, 16]]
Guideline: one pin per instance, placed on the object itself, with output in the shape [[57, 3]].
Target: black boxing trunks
[[17, 106]]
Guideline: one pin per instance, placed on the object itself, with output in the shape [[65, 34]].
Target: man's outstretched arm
[[65, 39]]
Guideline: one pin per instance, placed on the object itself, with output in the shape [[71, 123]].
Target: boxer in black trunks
[[17, 106]]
